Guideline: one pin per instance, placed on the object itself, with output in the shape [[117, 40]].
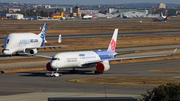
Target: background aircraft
[[87, 16], [16, 42], [160, 19], [61, 16], [109, 17], [83, 59]]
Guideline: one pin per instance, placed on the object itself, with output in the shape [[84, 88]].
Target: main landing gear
[[96, 72], [73, 71], [17, 54]]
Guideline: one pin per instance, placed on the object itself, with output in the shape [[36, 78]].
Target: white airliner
[[87, 16], [16, 42], [82, 59], [160, 19]]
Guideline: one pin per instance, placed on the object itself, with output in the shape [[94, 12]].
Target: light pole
[[105, 89], [144, 87]]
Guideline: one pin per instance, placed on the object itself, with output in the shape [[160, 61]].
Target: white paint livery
[[73, 59], [88, 16], [16, 42], [82, 59]]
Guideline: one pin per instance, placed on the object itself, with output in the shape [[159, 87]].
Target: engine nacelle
[[103, 66], [48, 67], [33, 51]]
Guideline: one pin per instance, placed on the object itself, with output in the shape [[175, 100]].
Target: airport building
[[89, 11], [101, 15], [15, 16], [76, 11], [67, 9], [130, 12], [162, 5], [14, 10]]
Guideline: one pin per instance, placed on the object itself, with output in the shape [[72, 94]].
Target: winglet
[[2, 46], [174, 52], [24, 51], [59, 39]]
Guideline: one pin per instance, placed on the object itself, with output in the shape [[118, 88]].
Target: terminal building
[[89, 11], [162, 5], [130, 12], [15, 16]]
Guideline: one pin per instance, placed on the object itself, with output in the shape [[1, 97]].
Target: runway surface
[[93, 20], [35, 86], [129, 49], [64, 36]]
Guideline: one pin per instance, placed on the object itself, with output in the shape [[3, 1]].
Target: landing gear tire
[[96, 72], [73, 71], [52, 74], [16, 54]]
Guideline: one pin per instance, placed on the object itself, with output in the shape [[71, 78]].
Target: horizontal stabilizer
[[2, 46]]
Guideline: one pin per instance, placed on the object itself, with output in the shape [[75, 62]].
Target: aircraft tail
[[161, 14], [43, 34], [147, 15], [165, 18], [112, 44], [91, 13], [62, 14]]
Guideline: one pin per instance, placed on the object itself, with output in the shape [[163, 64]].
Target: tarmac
[[33, 86]]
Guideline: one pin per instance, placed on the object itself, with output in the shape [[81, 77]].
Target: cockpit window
[[7, 41], [55, 59]]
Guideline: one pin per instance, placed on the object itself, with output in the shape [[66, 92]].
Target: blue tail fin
[[43, 34], [91, 13]]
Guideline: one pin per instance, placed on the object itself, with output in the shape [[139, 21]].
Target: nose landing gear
[[53, 74]]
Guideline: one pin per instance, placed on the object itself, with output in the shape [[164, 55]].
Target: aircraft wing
[[54, 46], [1, 45], [92, 62], [155, 19], [41, 56], [49, 47], [130, 58], [126, 53]]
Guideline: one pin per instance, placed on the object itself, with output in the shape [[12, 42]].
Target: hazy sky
[[91, 2]]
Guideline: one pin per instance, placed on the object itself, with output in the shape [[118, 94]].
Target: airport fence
[[23, 64]]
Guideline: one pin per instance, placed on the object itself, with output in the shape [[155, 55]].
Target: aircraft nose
[[53, 64]]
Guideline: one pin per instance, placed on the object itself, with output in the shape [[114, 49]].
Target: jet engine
[[103, 66], [48, 67], [33, 51]]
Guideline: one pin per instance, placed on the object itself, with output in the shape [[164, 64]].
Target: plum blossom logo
[[113, 44]]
